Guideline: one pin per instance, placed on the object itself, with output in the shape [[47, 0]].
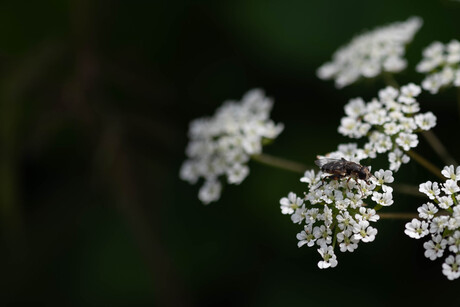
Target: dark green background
[[95, 100]]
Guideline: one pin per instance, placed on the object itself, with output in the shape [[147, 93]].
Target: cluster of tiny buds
[[335, 210], [441, 63], [371, 53], [440, 219], [390, 122], [222, 145]]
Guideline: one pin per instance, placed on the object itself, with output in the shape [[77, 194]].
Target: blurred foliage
[[95, 100]]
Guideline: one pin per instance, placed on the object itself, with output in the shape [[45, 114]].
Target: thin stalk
[[425, 163], [439, 147], [389, 79], [407, 189], [458, 100], [407, 215], [280, 163], [398, 215]]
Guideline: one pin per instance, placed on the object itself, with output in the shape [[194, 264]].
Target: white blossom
[[329, 258], [450, 187], [451, 173], [306, 237], [371, 53], [435, 247], [290, 204], [338, 210], [430, 189], [221, 145], [440, 64], [416, 229], [389, 123], [427, 211], [450, 267], [347, 242], [441, 218]]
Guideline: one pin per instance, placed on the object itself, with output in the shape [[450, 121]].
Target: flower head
[[440, 63], [371, 53], [440, 219], [337, 210], [389, 122], [222, 145]]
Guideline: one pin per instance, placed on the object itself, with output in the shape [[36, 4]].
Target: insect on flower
[[341, 168]]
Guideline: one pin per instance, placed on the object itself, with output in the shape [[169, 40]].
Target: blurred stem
[[458, 100], [15, 85], [439, 147], [390, 80], [280, 163], [398, 215], [407, 189], [425, 163]]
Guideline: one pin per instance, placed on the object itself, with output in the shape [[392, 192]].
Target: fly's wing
[[324, 161]]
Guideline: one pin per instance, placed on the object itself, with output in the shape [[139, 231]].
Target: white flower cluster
[[334, 210], [441, 63], [368, 54], [390, 123], [440, 218], [223, 144]]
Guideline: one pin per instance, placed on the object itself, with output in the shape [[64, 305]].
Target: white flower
[[445, 202], [416, 229], [425, 121], [444, 225], [290, 204], [306, 237], [347, 241], [451, 173], [396, 158], [435, 247], [450, 267], [390, 123], [222, 145], [345, 221], [431, 189], [364, 232], [237, 173], [427, 211], [367, 214], [383, 176], [322, 234], [355, 108], [407, 140], [408, 92], [329, 258], [450, 187], [439, 223], [383, 199], [210, 191], [309, 177], [299, 215], [440, 64], [311, 215], [331, 203], [371, 53], [454, 242]]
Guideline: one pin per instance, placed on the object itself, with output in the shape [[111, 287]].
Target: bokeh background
[[95, 100]]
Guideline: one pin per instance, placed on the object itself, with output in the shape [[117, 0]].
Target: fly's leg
[[335, 176]]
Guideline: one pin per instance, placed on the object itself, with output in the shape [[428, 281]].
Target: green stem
[[407, 189], [398, 215], [458, 100], [280, 163], [439, 147], [389, 79], [425, 163]]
